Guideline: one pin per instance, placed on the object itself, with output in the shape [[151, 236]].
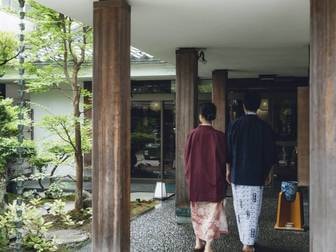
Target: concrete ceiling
[[247, 37]]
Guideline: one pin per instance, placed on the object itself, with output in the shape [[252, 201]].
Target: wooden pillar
[[219, 85], [303, 135], [111, 127], [186, 114], [323, 126], [88, 116]]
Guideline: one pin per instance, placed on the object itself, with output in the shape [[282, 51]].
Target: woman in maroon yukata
[[205, 161]]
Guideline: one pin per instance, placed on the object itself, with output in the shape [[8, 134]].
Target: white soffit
[[248, 37], [81, 10]]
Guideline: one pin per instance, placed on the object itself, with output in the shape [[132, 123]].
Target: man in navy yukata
[[251, 154]]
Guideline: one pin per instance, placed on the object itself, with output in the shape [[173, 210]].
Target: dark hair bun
[[210, 117], [208, 111]]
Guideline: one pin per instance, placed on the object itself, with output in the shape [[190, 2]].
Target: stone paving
[[158, 231], [68, 237]]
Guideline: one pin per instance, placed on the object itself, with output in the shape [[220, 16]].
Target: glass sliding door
[[153, 140], [169, 140], [146, 140]]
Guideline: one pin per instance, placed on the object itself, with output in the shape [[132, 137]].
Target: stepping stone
[[68, 237]]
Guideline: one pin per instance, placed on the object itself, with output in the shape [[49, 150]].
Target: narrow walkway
[[158, 231]]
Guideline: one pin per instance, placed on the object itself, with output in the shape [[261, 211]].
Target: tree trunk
[[2, 194], [79, 181], [78, 142]]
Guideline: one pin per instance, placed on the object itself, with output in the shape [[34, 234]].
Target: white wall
[[152, 71], [139, 71], [51, 103], [10, 23]]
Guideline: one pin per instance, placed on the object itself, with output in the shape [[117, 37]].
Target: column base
[[183, 215]]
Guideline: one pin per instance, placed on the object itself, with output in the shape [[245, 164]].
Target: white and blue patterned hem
[[247, 201]]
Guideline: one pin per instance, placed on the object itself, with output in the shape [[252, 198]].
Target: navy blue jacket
[[251, 150]]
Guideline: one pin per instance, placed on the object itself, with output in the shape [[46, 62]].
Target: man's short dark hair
[[208, 111], [252, 101]]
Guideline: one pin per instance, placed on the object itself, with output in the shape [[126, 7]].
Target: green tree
[[56, 153], [8, 50], [58, 49]]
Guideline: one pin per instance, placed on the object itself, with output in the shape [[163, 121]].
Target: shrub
[[34, 228], [55, 190]]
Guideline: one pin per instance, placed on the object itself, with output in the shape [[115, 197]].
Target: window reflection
[[169, 140], [153, 122], [145, 140]]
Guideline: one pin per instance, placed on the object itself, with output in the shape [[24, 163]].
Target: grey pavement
[[158, 231]]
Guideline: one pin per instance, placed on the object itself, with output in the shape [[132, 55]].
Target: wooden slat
[[323, 126], [303, 135], [111, 127], [186, 114], [88, 115], [219, 92]]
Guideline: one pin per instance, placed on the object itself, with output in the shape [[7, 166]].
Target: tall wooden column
[[323, 126], [111, 127], [303, 135], [88, 115], [186, 114], [219, 87]]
